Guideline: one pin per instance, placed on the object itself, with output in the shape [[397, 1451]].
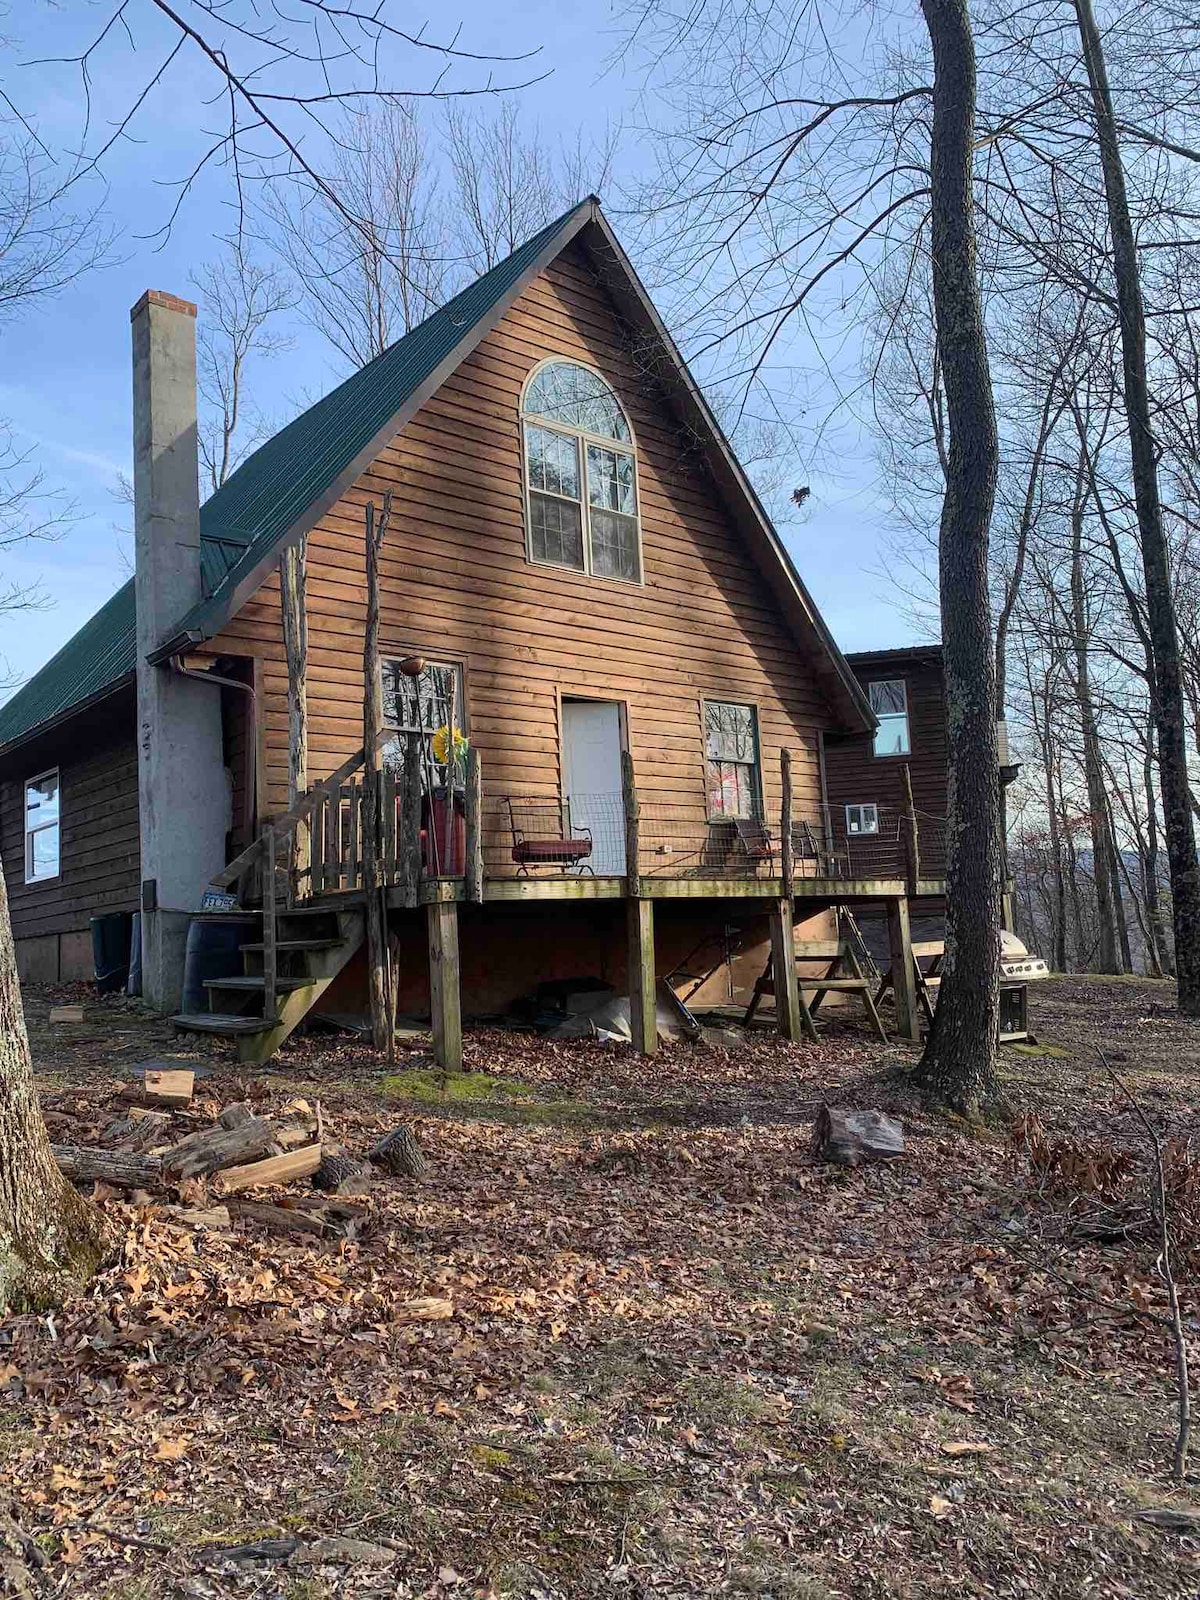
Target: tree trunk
[[1160, 604], [1093, 765], [292, 572], [959, 1064], [51, 1238], [383, 1020], [1150, 892]]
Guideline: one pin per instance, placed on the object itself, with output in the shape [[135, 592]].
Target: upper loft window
[[41, 827], [581, 474], [889, 702]]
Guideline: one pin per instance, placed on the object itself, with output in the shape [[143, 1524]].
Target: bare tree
[[239, 301]]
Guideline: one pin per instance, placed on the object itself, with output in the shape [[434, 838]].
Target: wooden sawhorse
[[842, 975]]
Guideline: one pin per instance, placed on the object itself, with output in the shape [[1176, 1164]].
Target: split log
[[236, 1115], [277, 1169], [216, 1148], [282, 1218], [168, 1088], [400, 1154], [66, 1013], [118, 1167], [852, 1137]]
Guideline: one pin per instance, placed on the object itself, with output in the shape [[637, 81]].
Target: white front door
[[592, 779]]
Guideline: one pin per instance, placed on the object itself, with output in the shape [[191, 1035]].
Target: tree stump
[[852, 1137], [400, 1154]]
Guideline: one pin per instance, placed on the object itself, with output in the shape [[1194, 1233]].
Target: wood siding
[[854, 775], [96, 756], [457, 586]]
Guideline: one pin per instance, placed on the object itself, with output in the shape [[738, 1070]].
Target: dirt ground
[[626, 1337]]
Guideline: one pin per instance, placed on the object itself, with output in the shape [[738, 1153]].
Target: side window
[[429, 703], [889, 702], [41, 827], [862, 819], [731, 759]]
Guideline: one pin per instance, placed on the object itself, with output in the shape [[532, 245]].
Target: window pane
[[888, 696], [610, 479], [553, 462], [556, 529], [614, 546], [41, 800], [891, 737], [423, 703], [730, 731], [577, 398], [43, 852]]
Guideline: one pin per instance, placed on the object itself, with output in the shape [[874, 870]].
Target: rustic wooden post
[[409, 848], [270, 954], [474, 803], [783, 970], [633, 861], [787, 864], [444, 998], [643, 1002], [293, 610], [912, 851], [908, 1019], [383, 1029]]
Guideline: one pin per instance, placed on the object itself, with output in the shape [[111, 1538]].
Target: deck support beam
[[908, 1017], [783, 971], [444, 987], [643, 1002]]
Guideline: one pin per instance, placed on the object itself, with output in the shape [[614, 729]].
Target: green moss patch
[[425, 1084]]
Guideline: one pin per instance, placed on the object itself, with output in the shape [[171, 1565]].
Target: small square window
[[889, 702], [862, 819], [42, 828]]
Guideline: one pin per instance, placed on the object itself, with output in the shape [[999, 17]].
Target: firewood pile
[[199, 1162]]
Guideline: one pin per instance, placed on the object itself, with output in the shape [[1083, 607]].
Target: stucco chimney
[[183, 802]]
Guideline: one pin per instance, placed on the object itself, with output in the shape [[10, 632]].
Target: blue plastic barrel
[[214, 950]]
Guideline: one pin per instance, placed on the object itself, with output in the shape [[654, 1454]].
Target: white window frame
[[459, 710], [31, 833], [755, 766], [893, 755], [862, 830], [581, 438]]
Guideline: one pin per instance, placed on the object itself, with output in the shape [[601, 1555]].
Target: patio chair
[[755, 842], [540, 840]]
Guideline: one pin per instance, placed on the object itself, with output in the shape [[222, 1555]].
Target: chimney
[[183, 798]]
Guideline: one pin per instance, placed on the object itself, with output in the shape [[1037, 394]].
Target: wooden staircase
[[285, 972]]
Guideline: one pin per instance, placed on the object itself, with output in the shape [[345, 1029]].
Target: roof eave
[[61, 717]]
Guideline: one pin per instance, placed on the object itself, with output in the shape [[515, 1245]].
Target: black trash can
[[214, 950], [111, 936]]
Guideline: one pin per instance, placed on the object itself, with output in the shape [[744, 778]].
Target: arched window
[[581, 474]]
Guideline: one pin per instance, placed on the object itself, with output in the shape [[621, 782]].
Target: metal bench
[[540, 840]]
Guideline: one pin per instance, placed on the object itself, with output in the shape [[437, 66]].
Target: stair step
[[212, 1022], [299, 944], [238, 914], [257, 985]]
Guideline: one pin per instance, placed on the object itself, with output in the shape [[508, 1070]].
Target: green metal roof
[[100, 655], [269, 493]]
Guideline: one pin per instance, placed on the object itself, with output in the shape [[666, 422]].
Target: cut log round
[[852, 1137], [117, 1167], [337, 1170], [236, 1115], [400, 1154]]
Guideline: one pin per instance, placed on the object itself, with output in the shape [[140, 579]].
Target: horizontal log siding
[[96, 755], [856, 776], [456, 583]]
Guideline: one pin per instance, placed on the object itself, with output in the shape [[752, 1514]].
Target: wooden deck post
[[473, 887], [643, 1002], [444, 994], [633, 854], [912, 847], [787, 864], [908, 1018], [783, 970]]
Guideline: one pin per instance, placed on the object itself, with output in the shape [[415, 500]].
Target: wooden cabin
[[594, 652]]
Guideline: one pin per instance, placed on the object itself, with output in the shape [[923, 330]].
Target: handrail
[[283, 825]]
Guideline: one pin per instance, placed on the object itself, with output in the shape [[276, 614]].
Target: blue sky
[[64, 367]]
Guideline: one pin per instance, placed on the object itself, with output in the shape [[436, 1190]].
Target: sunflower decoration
[[449, 745]]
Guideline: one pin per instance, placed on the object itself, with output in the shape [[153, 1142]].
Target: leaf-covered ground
[[625, 1338]]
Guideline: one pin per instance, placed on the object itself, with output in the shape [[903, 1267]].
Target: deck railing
[[453, 832]]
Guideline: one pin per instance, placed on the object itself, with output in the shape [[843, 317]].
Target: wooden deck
[[833, 891]]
